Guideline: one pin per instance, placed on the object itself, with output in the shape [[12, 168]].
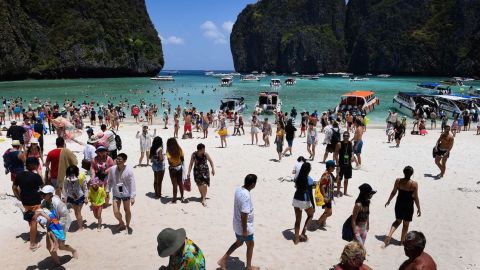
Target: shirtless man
[[417, 259], [358, 142], [187, 129], [442, 150]]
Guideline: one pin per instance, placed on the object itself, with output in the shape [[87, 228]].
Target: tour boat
[[384, 75], [408, 102], [434, 88], [358, 79], [233, 104], [168, 78], [226, 81], [275, 83], [268, 103], [359, 100], [250, 78], [290, 81]]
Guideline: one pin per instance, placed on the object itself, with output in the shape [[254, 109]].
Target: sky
[[195, 34]]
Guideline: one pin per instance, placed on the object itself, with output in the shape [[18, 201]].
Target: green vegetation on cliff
[[81, 38]]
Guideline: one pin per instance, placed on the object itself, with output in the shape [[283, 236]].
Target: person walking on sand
[[343, 158], [75, 192], [332, 137], [442, 149], [176, 125], [175, 160], [361, 213], [358, 142], [201, 172], [303, 200], [255, 128], [96, 196], [158, 165], [145, 143], [279, 135], [417, 259], [326, 188], [312, 140], [223, 132], [267, 132], [289, 135], [399, 130], [121, 181], [242, 222], [407, 194]]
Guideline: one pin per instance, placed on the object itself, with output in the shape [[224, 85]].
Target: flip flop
[[37, 246]]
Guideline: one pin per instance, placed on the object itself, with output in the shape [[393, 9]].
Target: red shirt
[[54, 157]]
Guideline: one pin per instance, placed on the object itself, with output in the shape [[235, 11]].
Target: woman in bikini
[[175, 161]]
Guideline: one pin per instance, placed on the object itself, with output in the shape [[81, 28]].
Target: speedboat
[[359, 100], [226, 81], [290, 81], [456, 81], [434, 88], [408, 102], [358, 79], [384, 75], [452, 104], [233, 104], [275, 83], [209, 73], [268, 103], [295, 74], [168, 78], [262, 75], [250, 78]]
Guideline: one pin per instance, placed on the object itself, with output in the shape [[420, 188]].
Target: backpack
[[118, 141], [335, 137]]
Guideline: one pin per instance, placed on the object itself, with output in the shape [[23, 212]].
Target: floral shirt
[[191, 258]]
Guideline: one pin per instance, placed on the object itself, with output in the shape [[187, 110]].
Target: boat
[[233, 104], [209, 73], [309, 77], [434, 88], [456, 81], [220, 75], [363, 101], [273, 73], [290, 81], [408, 102], [268, 103], [275, 83], [235, 74], [226, 81], [250, 78], [168, 78], [340, 74], [262, 75], [295, 74], [452, 104], [358, 79], [384, 75]]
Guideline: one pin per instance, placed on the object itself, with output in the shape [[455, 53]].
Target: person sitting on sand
[[442, 150], [303, 200], [352, 258], [417, 259], [326, 188], [407, 194], [183, 253]]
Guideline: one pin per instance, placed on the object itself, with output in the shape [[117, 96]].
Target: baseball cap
[[47, 189], [330, 163]]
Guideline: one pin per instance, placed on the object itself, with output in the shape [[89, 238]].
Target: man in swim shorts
[[358, 142], [442, 150]]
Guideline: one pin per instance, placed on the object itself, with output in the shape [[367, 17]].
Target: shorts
[[97, 208], [80, 201], [327, 205], [100, 117], [302, 205], [186, 128], [124, 199], [398, 136], [290, 143], [242, 239], [279, 147], [157, 165], [345, 172], [357, 147], [330, 148]]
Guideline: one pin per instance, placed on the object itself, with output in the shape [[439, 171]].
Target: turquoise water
[[305, 95]]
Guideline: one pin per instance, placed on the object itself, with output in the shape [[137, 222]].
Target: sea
[[205, 91]]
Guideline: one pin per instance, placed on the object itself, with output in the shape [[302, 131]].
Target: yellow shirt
[[175, 161], [97, 197]]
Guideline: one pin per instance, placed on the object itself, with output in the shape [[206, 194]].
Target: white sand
[[450, 215]]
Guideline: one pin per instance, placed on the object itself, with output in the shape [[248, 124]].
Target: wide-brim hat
[[33, 140], [16, 143], [93, 140], [366, 188], [170, 241]]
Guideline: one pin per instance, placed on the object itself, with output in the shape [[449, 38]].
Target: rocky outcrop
[[71, 39], [287, 36]]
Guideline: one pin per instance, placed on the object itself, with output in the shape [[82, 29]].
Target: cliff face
[[414, 37], [81, 38], [434, 37], [289, 35]]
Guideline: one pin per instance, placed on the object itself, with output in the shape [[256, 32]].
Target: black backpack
[[335, 137], [118, 141]]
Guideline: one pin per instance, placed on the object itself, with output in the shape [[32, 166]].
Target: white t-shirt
[[296, 169], [242, 204], [110, 140], [89, 152]]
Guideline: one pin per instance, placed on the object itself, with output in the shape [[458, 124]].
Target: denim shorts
[[243, 239], [121, 198]]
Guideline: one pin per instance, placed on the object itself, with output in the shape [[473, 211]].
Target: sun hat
[[101, 148], [170, 241], [16, 143], [366, 188], [47, 189], [33, 140]]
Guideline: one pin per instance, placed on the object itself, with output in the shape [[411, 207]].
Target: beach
[[449, 207]]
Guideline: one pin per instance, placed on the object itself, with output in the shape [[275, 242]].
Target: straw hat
[[170, 241], [16, 143]]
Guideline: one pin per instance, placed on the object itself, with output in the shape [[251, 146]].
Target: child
[[390, 134], [75, 190], [54, 229], [96, 196]]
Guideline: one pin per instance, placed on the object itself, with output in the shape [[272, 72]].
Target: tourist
[[201, 172], [444, 118], [332, 137], [96, 196], [25, 189], [175, 161], [34, 151], [303, 124], [254, 128], [442, 149], [158, 165], [39, 129], [109, 141], [297, 167], [466, 119], [280, 134], [145, 143], [223, 132], [183, 253], [16, 133], [176, 125], [100, 115], [361, 213], [13, 160], [392, 118], [289, 135], [433, 120], [312, 140], [75, 190], [187, 127], [267, 132], [343, 158], [326, 188], [417, 259], [358, 142], [58, 160], [89, 149], [93, 114], [422, 129], [240, 124], [242, 222], [205, 124], [352, 258], [399, 130], [236, 125], [121, 181], [303, 201], [407, 194], [55, 205]]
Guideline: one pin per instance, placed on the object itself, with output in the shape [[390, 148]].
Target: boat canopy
[[359, 93], [428, 85], [357, 98]]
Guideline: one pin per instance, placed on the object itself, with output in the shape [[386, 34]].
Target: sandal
[[34, 248]]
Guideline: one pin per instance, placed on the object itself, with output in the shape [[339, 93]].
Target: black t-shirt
[[290, 132], [16, 133], [37, 127], [29, 184]]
